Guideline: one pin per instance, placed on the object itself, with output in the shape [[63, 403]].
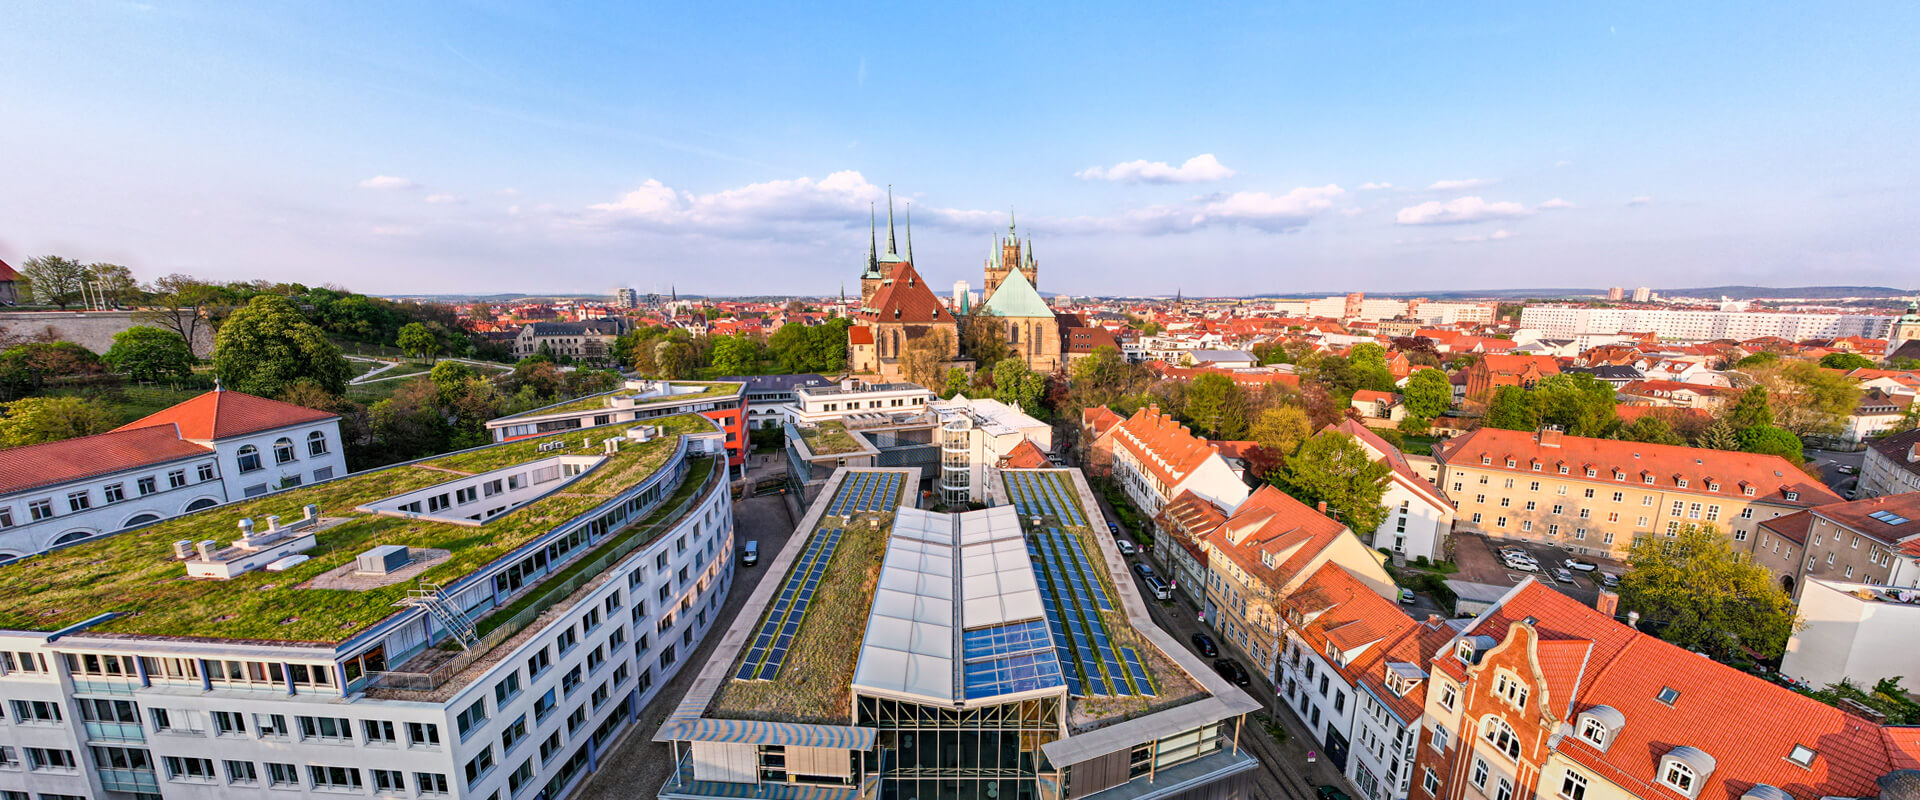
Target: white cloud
[[1553, 204], [1484, 237], [1459, 211], [1200, 168], [1352, 212], [442, 198], [1370, 186], [1640, 201], [388, 182], [1457, 185]]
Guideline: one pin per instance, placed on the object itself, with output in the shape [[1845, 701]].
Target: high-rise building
[[624, 297], [1669, 323], [475, 625], [1643, 295], [962, 292], [1616, 294]]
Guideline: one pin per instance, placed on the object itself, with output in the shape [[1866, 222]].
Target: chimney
[[1607, 603], [1323, 507], [246, 527], [1633, 619], [1550, 436], [273, 523]]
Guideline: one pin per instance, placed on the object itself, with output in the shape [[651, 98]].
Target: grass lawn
[[363, 367], [134, 574], [128, 403], [829, 438], [370, 393]]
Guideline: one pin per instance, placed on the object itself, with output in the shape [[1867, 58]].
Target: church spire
[[1010, 222], [873, 241], [909, 231], [891, 249]]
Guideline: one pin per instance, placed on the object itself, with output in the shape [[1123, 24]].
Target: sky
[[737, 148]]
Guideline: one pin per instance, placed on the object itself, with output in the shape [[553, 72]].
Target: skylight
[[1668, 694], [1802, 755], [1889, 517]]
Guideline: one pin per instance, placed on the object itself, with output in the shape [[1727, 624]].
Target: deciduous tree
[[1428, 394], [27, 368], [146, 353], [1772, 440], [265, 347], [1281, 429], [1694, 590], [1216, 406], [1512, 409], [56, 280], [36, 420], [417, 340], [1846, 361], [1580, 404], [1018, 386], [1334, 468]]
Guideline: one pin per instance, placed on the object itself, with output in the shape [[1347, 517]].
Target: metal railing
[[626, 542]]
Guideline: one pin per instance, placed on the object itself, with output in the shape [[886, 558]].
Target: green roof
[[599, 401], [134, 575], [829, 438], [1016, 297]]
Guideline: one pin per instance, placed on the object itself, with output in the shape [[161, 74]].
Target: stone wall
[[93, 330]]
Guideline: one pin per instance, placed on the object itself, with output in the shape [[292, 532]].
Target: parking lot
[[1479, 560]]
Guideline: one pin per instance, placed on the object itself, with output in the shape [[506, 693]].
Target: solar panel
[[1141, 684], [776, 634]]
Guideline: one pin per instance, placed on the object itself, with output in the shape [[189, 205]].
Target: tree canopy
[[1216, 406], [1846, 361], [147, 353], [1694, 590], [263, 348], [1019, 386], [1334, 468], [1428, 394], [1511, 409], [37, 420]]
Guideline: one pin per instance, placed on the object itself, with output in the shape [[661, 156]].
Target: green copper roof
[[1016, 298]]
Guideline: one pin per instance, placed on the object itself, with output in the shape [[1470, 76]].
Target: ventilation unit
[[382, 560]]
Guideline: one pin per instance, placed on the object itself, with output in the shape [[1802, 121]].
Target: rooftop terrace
[[134, 575]]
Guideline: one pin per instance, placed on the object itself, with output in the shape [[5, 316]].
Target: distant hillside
[[1770, 293]]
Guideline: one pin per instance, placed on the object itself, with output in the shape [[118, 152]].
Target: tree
[[1369, 363], [1335, 469], [410, 423], [450, 379], [1018, 386], [1846, 361], [924, 359], [1216, 406], [956, 383], [1652, 430], [37, 420], [184, 304], [1280, 430], [1806, 399], [1512, 409], [1750, 410], [26, 368], [1771, 440], [417, 340], [265, 347], [1428, 394], [146, 353], [111, 284], [1580, 404], [56, 280], [983, 337], [1759, 359], [1721, 435], [1695, 591], [735, 355]]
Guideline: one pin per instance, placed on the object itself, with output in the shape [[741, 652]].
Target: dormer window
[[1647, 479], [1598, 725], [1486, 459], [1746, 490], [1512, 463], [1564, 470], [1465, 651], [1793, 495], [1679, 776], [1714, 486], [1682, 483], [1594, 731]]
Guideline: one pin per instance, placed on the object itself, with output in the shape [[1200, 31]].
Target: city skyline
[[1229, 152]]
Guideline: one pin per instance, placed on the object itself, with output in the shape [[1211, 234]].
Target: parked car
[[1204, 644], [750, 554], [1143, 569], [1563, 576], [1159, 588], [1609, 580], [1578, 565], [1113, 529], [1406, 597], [1330, 793], [1232, 671], [1849, 469], [1522, 566], [1126, 547]]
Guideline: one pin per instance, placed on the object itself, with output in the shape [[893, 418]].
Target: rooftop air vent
[[383, 560]]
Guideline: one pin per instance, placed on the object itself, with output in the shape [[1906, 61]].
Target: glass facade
[[989, 753]]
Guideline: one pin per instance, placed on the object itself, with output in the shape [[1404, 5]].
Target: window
[[46, 759], [229, 723], [1449, 696], [270, 726], [325, 729], [249, 458], [282, 775], [36, 711], [570, 681], [1512, 690], [1505, 790], [430, 783], [316, 444], [388, 781], [1573, 787], [1499, 734], [241, 773], [544, 706], [379, 731], [1668, 695], [520, 778], [183, 768], [6, 517], [205, 472], [1594, 731], [176, 478], [567, 641], [1430, 781], [1679, 776], [114, 492], [1441, 737], [539, 663], [507, 689], [479, 766], [339, 779], [472, 718], [515, 733], [79, 501], [282, 450], [147, 486], [1801, 755], [1479, 776]]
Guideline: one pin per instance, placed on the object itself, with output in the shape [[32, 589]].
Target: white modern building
[[460, 627], [978, 435], [1685, 325], [217, 447], [1853, 631], [851, 397], [1419, 515]]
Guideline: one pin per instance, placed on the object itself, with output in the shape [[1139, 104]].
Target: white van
[[750, 554], [1158, 588]]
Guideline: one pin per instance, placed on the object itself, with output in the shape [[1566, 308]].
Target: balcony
[[115, 732], [129, 780]]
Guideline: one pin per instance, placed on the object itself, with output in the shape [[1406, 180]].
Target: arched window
[[316, 444], [72, 537], [1499, 734], [201, 503], [282, 450], [1679, 776], [1594, 731], [249, 457], [1013, 332], [141, 519]]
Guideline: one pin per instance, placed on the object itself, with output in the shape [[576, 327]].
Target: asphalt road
[[1480, 562], [1840, 471]]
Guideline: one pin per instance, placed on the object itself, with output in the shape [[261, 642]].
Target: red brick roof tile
[[1771, 476], [219, 414], [35, 465]]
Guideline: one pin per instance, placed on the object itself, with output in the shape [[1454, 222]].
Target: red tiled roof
[[1099, 419], [904, 297], [1371, 396], [1163, 445], [35, 465], [1026, 455], [1086, 340], [7, 273], [1770, 476], [1272, 521], [1791, 527], [1394, 458], [1190, 518], [860, 334], [1349, 614], [1504, 364], [219, 414]]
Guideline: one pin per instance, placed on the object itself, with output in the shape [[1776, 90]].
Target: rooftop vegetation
[[711, 389], [134, 575], [815, 684], [829, 438]]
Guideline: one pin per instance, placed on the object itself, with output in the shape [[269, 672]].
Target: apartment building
[[1687, 325], [217, 447], [1494, 370], [853, 397], [1419, 515], [1596, 496], [1891, 465], [475, 625], [1353, 669], [724, 402], [1855, 631], [1261, 555], [772, 400], [1544, 697], [1862, 541], [1155, 458], [1179, 550]]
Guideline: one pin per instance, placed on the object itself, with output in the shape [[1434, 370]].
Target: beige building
[[1595, 496], [1859, 541]]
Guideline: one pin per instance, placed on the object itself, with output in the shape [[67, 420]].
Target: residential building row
[[476, 625], [218, 447], [1692, 325]]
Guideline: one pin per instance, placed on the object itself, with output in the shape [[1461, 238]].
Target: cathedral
[[897, 308], [1030, 327]]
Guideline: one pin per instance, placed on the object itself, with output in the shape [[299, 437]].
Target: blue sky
[[735, 148]]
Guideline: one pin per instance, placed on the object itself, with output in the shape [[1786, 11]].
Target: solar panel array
[[1075, 597], [1038, 493], [866, 491], [770, 647], [1006, 659]]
